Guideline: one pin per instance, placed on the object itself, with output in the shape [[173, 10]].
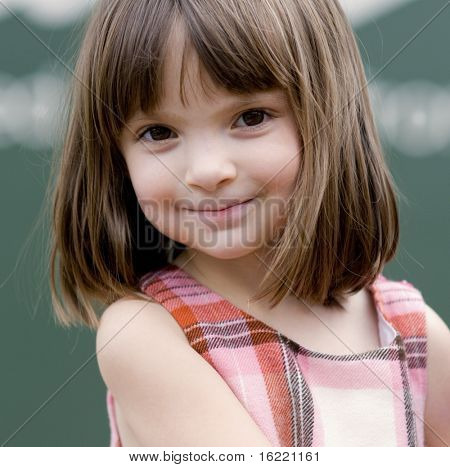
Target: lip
[[223, 217], [226, 208]]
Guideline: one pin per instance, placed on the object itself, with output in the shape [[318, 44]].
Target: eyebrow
[[234, 102]]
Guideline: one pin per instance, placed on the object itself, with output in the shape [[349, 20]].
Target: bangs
[[236, 52]]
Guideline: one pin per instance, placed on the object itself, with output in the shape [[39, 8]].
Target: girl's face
[[190, 162]]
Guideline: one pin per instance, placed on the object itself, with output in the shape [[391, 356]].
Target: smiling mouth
[[226, 208]]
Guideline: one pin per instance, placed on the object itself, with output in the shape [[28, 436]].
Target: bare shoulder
[[130, 315], [437, 407], [168, 394]]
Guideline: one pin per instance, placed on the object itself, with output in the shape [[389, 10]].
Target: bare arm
[[437, 406], [168, 394]]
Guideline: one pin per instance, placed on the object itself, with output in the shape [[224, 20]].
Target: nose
[[208, 169]]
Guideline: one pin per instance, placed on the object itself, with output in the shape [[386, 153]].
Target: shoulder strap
[[404, 307], [192, 305]]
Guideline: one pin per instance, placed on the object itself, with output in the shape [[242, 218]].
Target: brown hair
[[344, 200]]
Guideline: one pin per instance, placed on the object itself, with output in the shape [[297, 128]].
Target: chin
[[229, 252]]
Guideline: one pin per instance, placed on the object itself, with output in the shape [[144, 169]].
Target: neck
[[242, 275], [239, 278]]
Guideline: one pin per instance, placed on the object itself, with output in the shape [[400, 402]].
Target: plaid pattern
[[300, 397]]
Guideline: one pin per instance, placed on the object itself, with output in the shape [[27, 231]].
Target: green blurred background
[[51, 392]]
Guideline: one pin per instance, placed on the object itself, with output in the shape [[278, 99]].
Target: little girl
[[239, 258]]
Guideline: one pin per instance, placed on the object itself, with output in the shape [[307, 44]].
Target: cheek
[[277, 164], [151, 180], [153, 184]]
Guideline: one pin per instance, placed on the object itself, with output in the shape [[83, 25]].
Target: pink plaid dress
[[300, 397]]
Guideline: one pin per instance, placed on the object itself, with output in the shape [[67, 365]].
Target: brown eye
[[253, 118], [157, 133]]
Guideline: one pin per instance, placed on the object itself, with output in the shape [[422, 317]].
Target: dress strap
[[404, 308]]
